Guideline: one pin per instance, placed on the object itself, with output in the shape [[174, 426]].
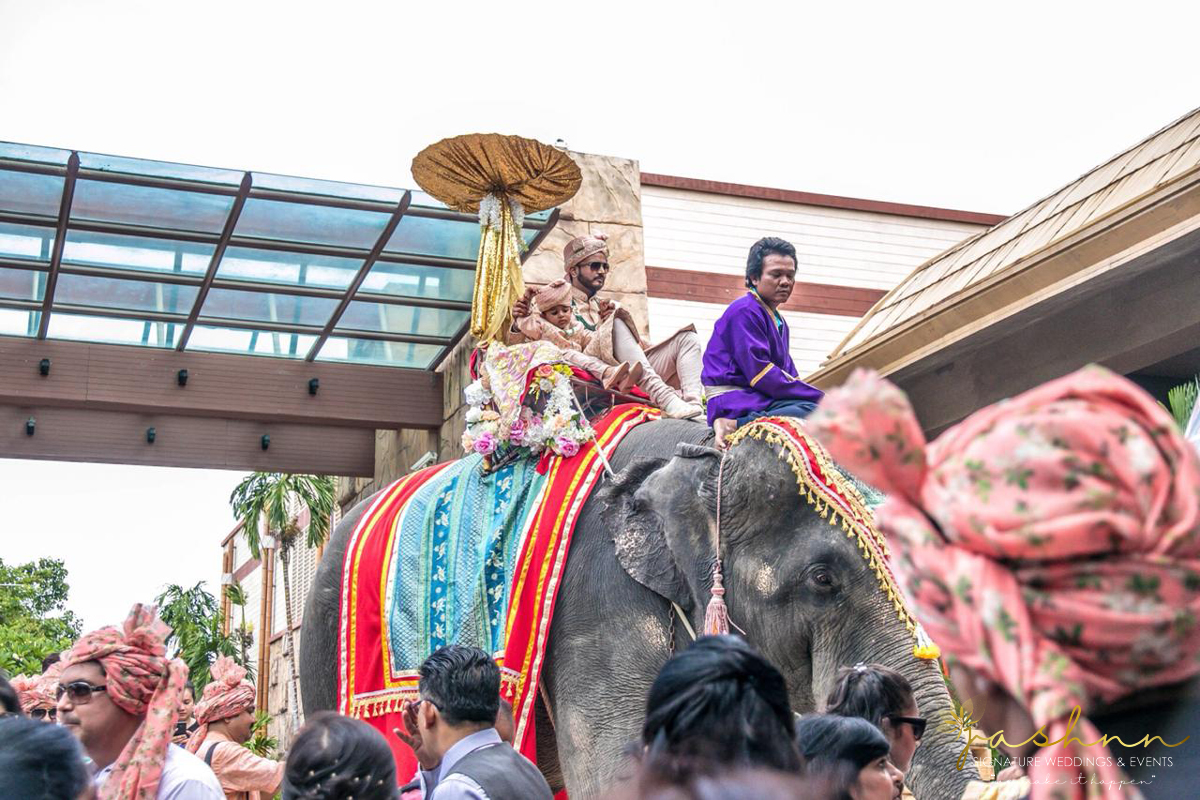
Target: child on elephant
[[553, 323]]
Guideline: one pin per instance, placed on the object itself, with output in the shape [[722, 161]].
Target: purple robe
[[749, 350]]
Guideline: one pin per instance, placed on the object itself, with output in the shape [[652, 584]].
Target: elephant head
[[797, 587]]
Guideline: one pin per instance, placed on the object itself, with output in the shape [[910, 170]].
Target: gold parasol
[[501, 178]]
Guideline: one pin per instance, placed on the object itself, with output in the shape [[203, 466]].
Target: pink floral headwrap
[[33, 691], [1050, 542], [140, 680], [583, 247], [228, 694]]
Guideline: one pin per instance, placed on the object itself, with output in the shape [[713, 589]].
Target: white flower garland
[[560, 428]]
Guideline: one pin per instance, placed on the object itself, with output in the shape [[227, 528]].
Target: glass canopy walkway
[[117, 250]]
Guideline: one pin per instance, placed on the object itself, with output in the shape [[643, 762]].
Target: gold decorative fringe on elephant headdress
[[502, 178], [835, 498]]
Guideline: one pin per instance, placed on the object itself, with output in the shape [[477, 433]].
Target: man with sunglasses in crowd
[[120, 694], [453, 729], [671, 369]]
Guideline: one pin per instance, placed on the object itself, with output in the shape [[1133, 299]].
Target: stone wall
[[279, 696]]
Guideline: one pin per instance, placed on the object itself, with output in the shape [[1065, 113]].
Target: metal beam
[[119, 437], [145, 380], [239, 285], [214, 263], [221, 322], [384, 237], [250, 242], [64, 215], [279, 195]]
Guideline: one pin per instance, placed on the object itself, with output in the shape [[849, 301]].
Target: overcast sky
[[982, 107]]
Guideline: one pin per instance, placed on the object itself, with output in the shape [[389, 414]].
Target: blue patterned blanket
[[452, 560]]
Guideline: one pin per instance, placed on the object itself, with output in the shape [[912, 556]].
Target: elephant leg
[[597, 683]]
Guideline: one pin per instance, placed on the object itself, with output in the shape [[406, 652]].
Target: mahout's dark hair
[[40, 762], [50, 660], [760, 250], [336, 757], [719, 703], [10, 702], [869, 691], [835, 749], [463, 683]]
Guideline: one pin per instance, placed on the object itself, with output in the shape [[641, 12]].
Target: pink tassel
[[716, 616]]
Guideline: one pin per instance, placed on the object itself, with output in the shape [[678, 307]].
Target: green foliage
[[243, 636], [1182, 399], [196, 638], [277, 499], [261, 743], [34, 620]]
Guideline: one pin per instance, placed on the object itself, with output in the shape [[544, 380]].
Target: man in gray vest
[[456, 717]]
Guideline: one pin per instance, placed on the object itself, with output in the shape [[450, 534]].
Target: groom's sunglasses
[[598, 266]]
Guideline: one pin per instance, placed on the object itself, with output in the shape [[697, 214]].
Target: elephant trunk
[[934, 773]]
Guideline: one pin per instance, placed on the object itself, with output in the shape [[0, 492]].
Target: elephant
[[796, 587]]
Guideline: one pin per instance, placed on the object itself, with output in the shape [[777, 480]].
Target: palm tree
[[277, 500], [237, 597], [196, 637]]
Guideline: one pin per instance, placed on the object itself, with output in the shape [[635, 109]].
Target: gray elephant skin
[[796, 585]]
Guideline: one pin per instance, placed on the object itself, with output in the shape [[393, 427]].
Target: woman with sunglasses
[[884, 698]]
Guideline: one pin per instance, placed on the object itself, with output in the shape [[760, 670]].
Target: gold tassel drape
[[498, 280]]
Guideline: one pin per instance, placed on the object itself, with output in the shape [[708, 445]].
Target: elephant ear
[[638, 534]]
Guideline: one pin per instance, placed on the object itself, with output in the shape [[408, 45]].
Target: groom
[[671, 369]]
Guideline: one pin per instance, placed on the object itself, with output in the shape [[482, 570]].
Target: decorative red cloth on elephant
[[518, 611], [142, 681], [227, 694], [1050, 542]]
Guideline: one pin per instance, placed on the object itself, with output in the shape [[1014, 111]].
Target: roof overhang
[[1121, 293], [1151, 222]]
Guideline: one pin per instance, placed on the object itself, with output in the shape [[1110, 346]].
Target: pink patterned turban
[[553, 294], [142, 681], [228, 694], [34, 691], [1050, 542], [583, 247]]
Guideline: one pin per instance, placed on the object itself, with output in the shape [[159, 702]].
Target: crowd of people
[[718, 715]]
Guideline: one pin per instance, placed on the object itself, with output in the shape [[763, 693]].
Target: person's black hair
[[10, 701], [836, 749], [463, 683], [50, 660], [191, 687], [40, 762], [760, 250], [335, 757], [870, 691], [719, 703]]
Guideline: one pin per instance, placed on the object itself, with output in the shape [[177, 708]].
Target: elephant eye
[[822, 578]]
